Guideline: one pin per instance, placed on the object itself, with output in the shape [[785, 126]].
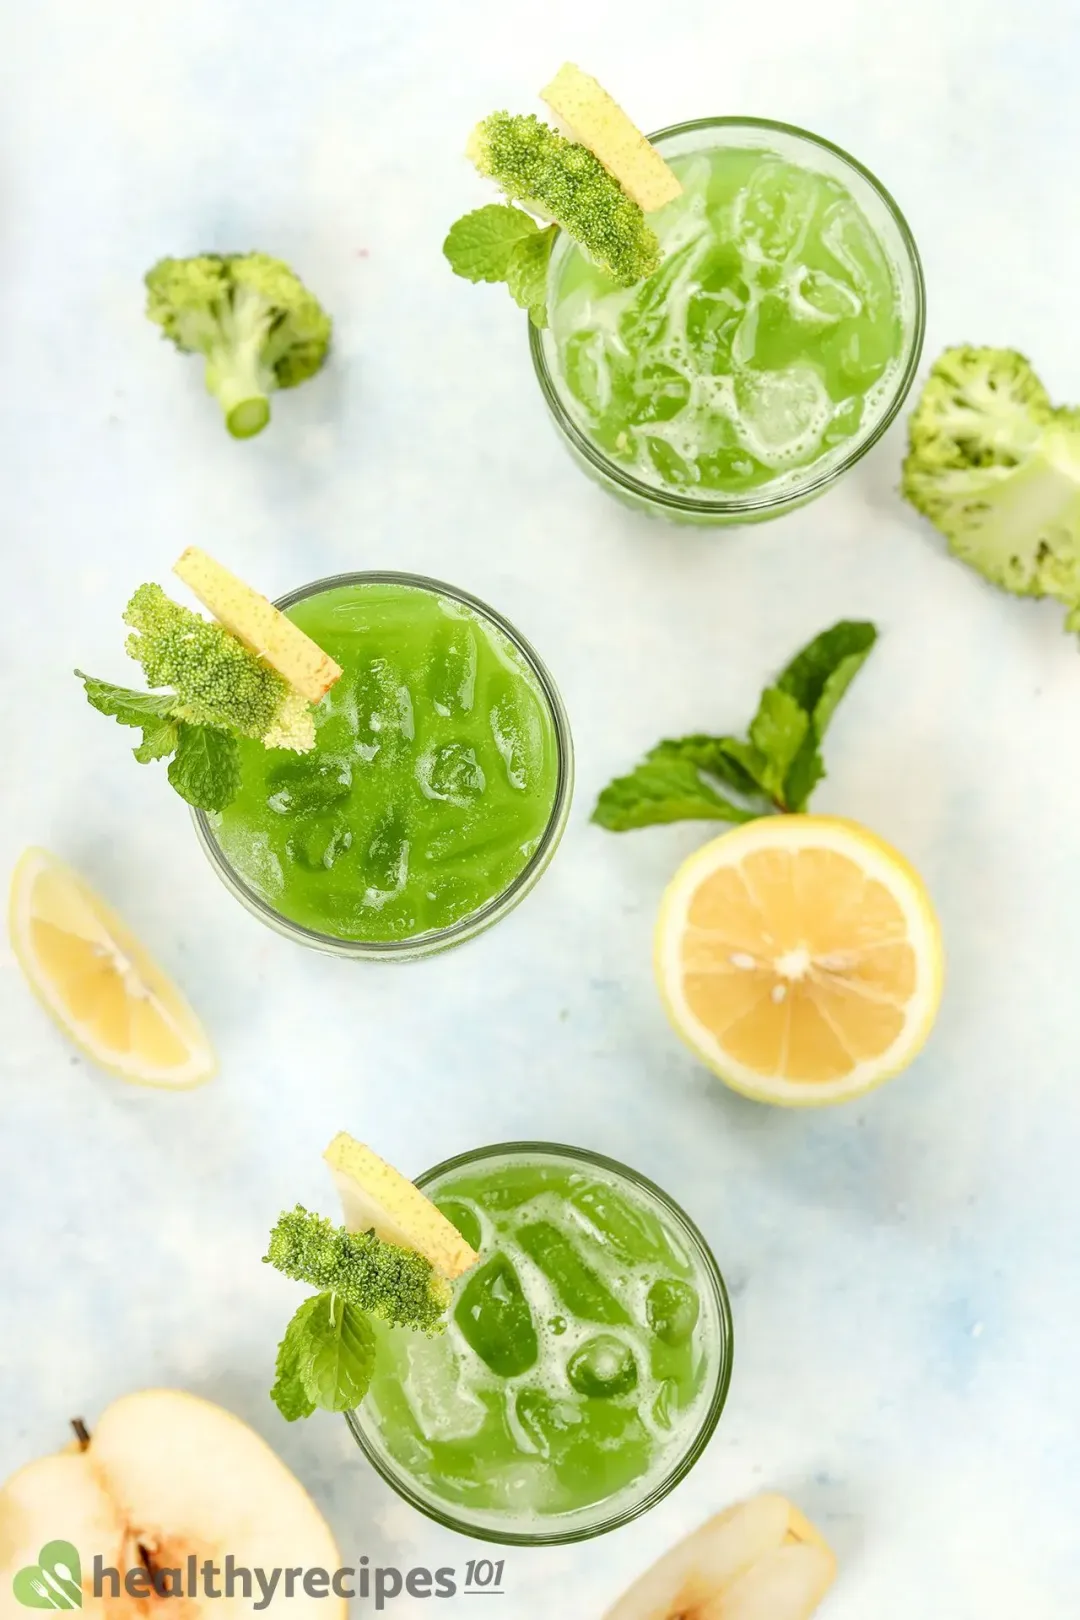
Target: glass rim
[[447, 1516], [476, 922], [754, 505]]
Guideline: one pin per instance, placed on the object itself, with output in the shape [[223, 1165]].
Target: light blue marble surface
[[904, 1272]]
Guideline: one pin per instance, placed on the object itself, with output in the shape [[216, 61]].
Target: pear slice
[[786, 1584], [256, 622], [595, 120], [167, 1477], [376, 1197], [758, 1560]]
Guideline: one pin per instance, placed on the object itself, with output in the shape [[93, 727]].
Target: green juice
[[774, 337], [434, 781], [585, 1360]]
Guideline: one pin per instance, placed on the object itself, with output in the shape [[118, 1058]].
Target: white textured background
[[904, 1272]]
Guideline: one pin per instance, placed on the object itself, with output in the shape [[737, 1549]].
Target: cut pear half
[[377, 1198], [758, 1560], [165, 1478]]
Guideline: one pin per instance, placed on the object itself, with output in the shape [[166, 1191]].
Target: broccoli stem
[[236, 388], [236, 372]]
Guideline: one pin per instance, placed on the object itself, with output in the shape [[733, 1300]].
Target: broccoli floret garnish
[[254, 322], [380, 1278], [555, 177], [218, 691], [217, 681], [996, 468]]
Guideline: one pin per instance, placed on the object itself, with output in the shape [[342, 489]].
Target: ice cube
[[816, 296], [380, 709], [540, 1423], [451, 670], [514, 718], [578, 1285], [859, 255], [782, 414], [672, 1308], [317, 841], [603, 1368], [385, 863], [495, 1320], [451, 772], [633, 1233], [444, 1408], [310, 783], [774, 211]]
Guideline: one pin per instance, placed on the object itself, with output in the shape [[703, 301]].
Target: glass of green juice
[[585, 1362], [438, 788], [773, 346]]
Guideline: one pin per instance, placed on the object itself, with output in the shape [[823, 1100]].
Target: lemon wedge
[[801, 959], [377, 1198], [99, 984]]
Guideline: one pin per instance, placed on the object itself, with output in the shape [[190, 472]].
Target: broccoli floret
[[564, 182], [997, 469], [253, 321], [217, 680], [396, 1284]]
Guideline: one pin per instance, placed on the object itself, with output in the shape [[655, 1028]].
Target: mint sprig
[[205, 760], [503, 243], [775, 768]]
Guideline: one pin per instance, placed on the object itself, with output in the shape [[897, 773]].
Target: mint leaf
[[341, 1354], [206, 769], [481, 245], [667, 786], [289, 1393], [159, 741], [527, 272], [821, 673], [150, 711], [817, 679], [777, 732], [131, 708], [807, 770]]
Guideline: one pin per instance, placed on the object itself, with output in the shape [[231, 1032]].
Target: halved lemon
[[801, 958], [100, 985]]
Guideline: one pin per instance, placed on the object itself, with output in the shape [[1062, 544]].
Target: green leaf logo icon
[[54, 1582]]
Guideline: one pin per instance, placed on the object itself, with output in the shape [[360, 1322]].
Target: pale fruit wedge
[[259, 625], [56, 1496], [100, 985], [801, 958], [376, 1197], [593, 119], [759, 1560], [168, 1477]]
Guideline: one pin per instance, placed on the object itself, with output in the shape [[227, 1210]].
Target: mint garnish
[[206, 767], [777, 766], [326, 1358], [502, 243]]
